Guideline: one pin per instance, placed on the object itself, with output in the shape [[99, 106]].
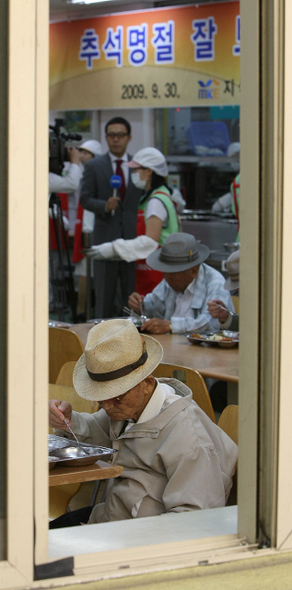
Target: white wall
[[141, 120]]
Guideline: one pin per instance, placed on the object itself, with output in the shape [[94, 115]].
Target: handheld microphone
[[115, 183]]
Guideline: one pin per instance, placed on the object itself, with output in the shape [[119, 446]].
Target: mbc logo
[[209, 89]]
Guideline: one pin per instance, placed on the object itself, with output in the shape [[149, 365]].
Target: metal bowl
[[72, 453], [229, 334], [53, 461], [227, 344], [75, 456]]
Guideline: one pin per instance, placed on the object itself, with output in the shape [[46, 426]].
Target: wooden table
[[210, 360], [99, 470]]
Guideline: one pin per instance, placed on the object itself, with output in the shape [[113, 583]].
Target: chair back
[[65, 375], [64, 345], [60, 496], [228, 421], [69, 394], [235, 301], [193, 379]]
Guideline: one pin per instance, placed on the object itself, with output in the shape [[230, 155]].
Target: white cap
[[150, 158], [93, 146]]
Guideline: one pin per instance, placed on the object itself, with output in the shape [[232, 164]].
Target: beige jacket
[[178, 461]]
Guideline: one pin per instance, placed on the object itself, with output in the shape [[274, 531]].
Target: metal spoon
[[143, 316], [73, 433]]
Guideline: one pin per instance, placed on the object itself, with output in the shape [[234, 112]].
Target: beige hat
[[232, 267], [116, 358]]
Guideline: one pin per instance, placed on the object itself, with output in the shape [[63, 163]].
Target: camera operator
[[70, 181]]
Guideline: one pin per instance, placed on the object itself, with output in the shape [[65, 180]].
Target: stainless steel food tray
[[58, 443]]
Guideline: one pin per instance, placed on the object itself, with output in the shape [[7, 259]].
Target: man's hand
[[104, 251], [74, 155], [156, 326], [57, 412], [112, 204], [134, 301], [215, 310]]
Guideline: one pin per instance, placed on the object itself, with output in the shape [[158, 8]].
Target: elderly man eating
[[179, 303], [174, 457]]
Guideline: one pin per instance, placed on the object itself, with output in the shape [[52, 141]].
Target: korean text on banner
[[179, 56]]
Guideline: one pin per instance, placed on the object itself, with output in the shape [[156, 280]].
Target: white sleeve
[[178, 200], [68, 183], [128, 250], [155, 207], [223, 203], [88, 221]]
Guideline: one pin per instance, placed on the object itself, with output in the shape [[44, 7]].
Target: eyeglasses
[[119, 135], [116, 400]]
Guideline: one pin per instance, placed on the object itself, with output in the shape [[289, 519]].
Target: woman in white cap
[[157, 219]]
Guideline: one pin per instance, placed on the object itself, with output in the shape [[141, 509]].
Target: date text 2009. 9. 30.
[[138, 91]]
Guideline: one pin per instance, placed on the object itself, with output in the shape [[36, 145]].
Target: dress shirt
[[123, 165], [164, 301], [162, 396]]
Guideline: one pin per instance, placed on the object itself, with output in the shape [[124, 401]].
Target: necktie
[[120, 173]]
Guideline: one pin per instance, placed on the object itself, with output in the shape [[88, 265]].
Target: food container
[[68, 453], [52, 462], [224, 338]]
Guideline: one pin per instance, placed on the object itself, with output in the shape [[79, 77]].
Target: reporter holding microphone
[[115, 210], [157, 219]]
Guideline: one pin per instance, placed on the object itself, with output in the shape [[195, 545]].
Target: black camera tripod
[[62, 282]]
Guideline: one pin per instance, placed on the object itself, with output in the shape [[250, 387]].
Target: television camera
[[61, 272], [58, 146]]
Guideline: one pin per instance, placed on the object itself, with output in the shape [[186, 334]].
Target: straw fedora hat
[[180, 251], [232, 267], [115, 359]]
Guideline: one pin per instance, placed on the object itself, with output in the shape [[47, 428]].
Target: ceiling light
[[86, 1]]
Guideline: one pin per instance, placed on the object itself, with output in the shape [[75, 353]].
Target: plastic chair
[[63, 392], [228, 422], [65, 375], [193, 379], [64, 345], [235, 301], [61, 496]]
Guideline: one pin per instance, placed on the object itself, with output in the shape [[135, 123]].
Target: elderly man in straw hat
[[179, 302], [217, 309], [174, 457]]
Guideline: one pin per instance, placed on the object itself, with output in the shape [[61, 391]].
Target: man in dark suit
[[115, 217]]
